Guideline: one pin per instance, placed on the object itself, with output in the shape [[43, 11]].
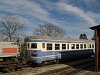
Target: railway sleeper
[[86, 66], [54, 71], [11, 67], [80, 63]]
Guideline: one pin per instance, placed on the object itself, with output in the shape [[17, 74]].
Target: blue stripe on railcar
[[44, 55], [52, 55]]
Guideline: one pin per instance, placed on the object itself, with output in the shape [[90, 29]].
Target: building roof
[[95, 27]]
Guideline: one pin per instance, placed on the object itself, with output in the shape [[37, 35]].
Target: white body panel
[[9, 46]]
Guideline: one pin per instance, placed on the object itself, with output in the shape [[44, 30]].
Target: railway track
[[73, 68], [67, 68]]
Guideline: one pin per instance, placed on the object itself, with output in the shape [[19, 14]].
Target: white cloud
[[95, 16], [34, 10], [67, 7], [25, 7], [89, 1]]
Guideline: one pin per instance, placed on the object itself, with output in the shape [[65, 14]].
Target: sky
[[73, 16]]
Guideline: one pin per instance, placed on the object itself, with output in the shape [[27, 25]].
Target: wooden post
[[97, 45], [96, 50]]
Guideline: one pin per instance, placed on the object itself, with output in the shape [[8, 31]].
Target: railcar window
[[43, 45], [63, 46], [57, 46], [67, 46], [84, 45], [72, 46], [49, 46], [77, 46], [92, 45], [81, 46], [33, 45], [89, 45]]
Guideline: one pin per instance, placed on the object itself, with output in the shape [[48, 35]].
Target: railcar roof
[[56, 39]]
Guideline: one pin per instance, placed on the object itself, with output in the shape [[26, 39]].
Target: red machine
[[9, 51]]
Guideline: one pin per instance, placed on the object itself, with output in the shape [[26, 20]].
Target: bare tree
[[83, 36], [11, 27], [49, 30]]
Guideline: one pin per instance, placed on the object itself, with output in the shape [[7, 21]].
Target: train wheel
[[50, 62], [43, 63], [56, 61], [19, 66], [6, 69], [11, 67]]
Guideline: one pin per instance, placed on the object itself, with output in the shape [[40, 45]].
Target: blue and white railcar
[[44, 48]]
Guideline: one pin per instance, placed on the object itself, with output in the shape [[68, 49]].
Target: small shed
[[97, 45]]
